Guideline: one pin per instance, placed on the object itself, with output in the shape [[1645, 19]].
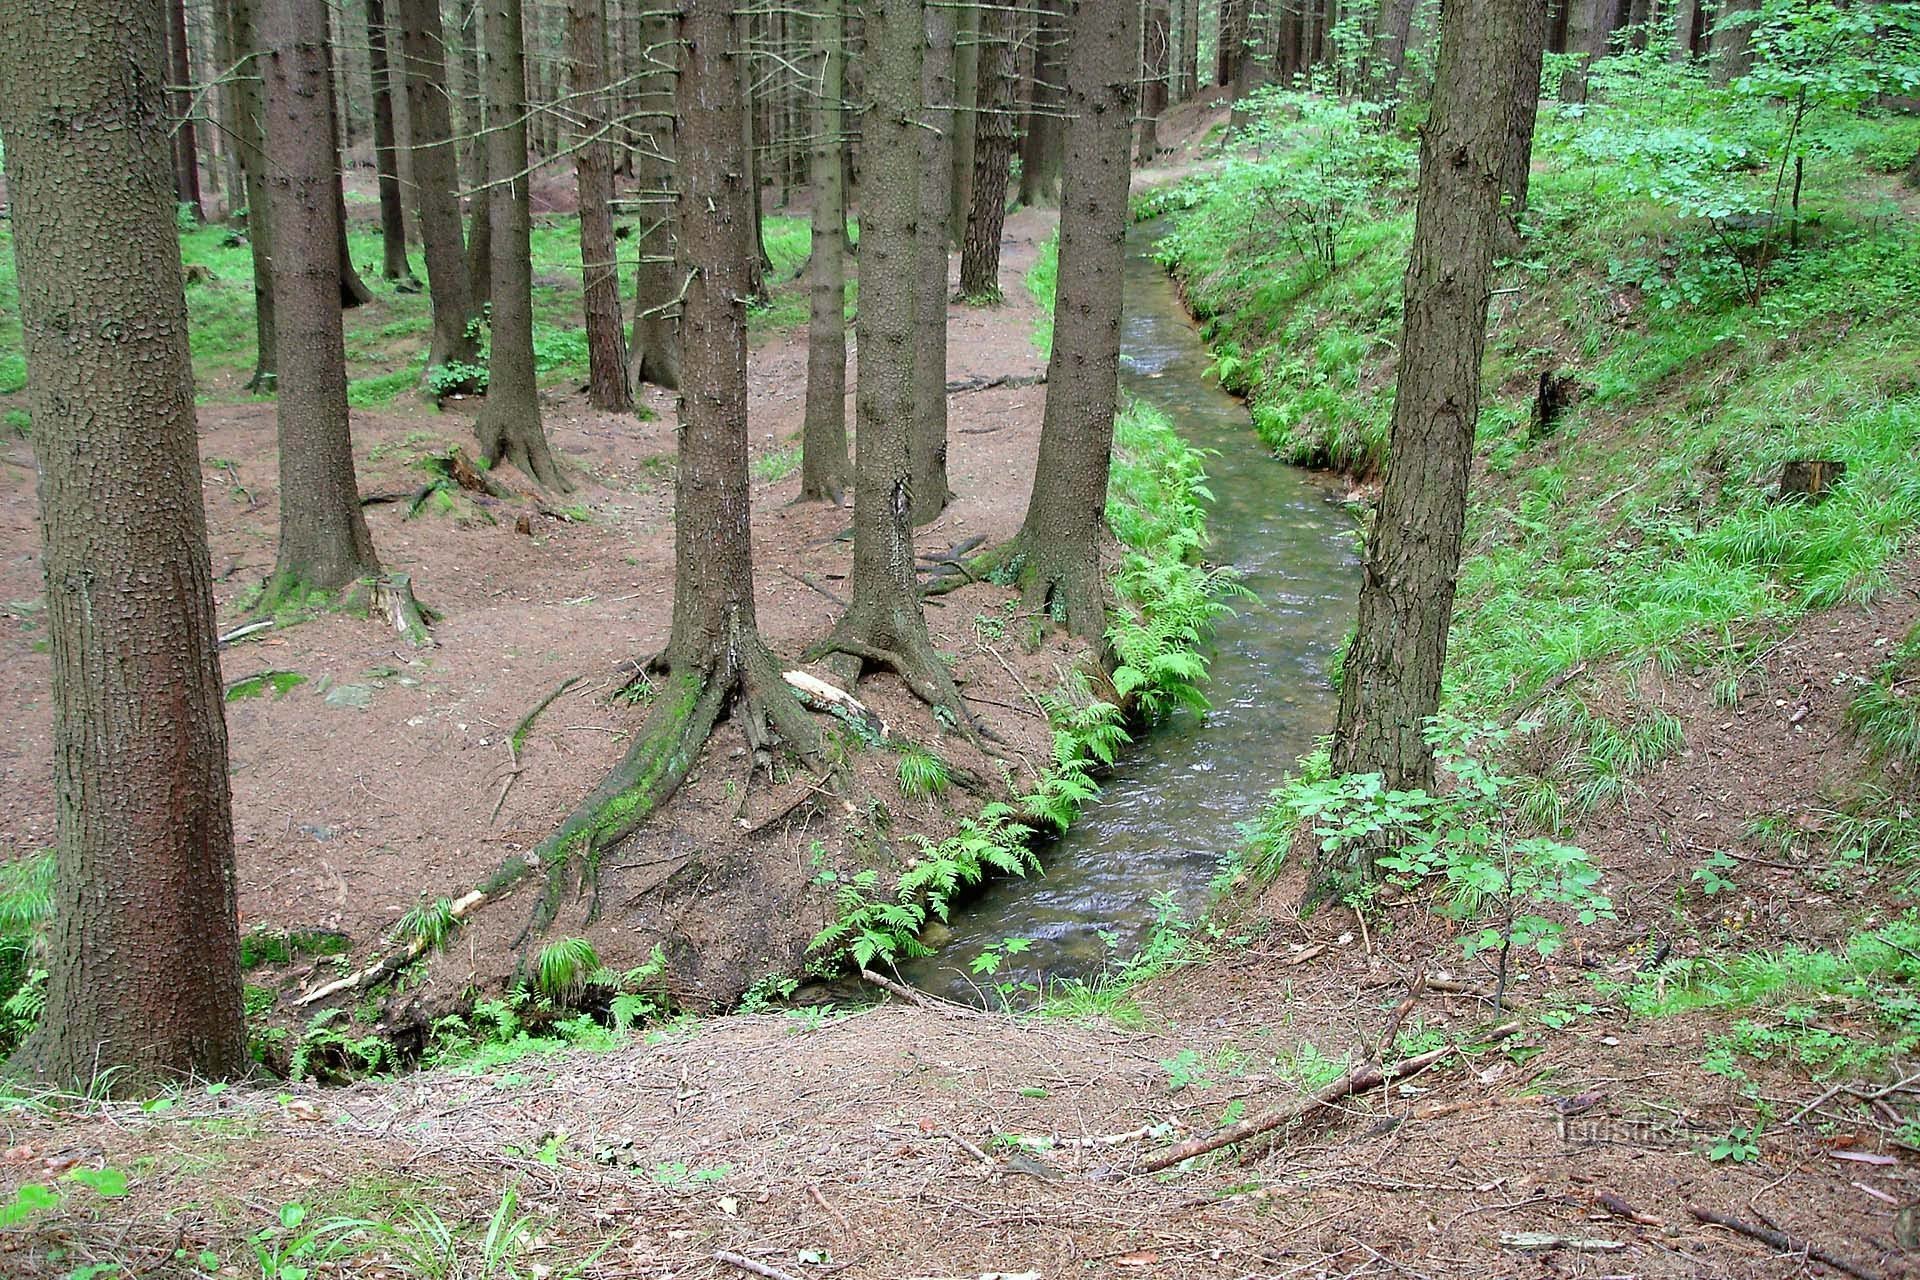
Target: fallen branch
[[897, 989], [960, 386], [816, 694], [394, 961], [813, 584], [743, 1263], [1619, 1208], [1781, 1242], [241, 633]]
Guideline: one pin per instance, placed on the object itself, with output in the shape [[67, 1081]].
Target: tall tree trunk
[[1587, 35], [143, 954], [966, 78], [324, 544], [353, 290], [1230, 42], [884, 626], [1686, 30], [1391, 684], [715, 657], [1731, 50], [250, 125], [1041, 151], [436, 195], [653, 351], [474, 122], [760, 261], [993, 150], [393, 219], [1396, 30], [508, 426], [1517, 167], [607, 386], [1153, 97], [823, 438], [929, 488], [1189, 61], [186, 151], [1058, 545]]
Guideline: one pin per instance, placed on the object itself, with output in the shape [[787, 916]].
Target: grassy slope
[[1643, 529]]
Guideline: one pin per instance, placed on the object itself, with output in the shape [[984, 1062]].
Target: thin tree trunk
[[966, 124], [1060, 537], [353, 290], [143, 953], [823, 439], [479, 150], [393, 220], [508, 426], [1392, 674], [885, 626], [250, 122], [324, 543], [1153, 98], [186, 151], [607, 386], [760, 262], [1517, 168], [1041, 152], [929, 489], [653, 350], [1189, 49], [437, 175], [993, 150]]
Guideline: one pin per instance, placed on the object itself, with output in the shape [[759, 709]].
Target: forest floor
[[921, 1139]]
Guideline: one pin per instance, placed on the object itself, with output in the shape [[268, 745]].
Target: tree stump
[[1809, 479]]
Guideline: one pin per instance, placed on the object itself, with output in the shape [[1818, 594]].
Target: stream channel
[[1177, 805]]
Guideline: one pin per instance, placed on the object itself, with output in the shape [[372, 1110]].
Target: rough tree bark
[[353, 290], [607, 386], [1731, 50], [436, 174], [143, 953], [824, 468], [1057, 551], [966, 125], [393, 218], [1155, 52], [1189, 60], [1396, 30], [186, 149], [324, 543], [1040, 151], [993, 150], [1586, 34], [1517, 167], [928, 489], [715, 656], [1686, 30], [1392, 674], [759, 262], [250, 123], [653, 349], [508, 426], [884, 626]]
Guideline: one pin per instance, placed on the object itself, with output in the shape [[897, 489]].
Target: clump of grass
[[564, 967], [1886, 712], [771, 468], [1043, 282], [921, 774]]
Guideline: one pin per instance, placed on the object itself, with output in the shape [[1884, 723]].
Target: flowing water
[[1176, 807]]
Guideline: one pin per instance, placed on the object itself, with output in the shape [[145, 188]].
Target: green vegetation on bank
[[1711, 281]]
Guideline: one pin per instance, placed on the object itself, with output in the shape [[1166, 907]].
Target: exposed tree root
[[521, 447], [1061, 586], [897, 640]]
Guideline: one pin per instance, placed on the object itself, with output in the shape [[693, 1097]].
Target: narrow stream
[[1175, 808]]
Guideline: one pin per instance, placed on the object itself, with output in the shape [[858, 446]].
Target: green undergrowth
[[1164, 601], [386, 340], [1638, 537], [26, 906], [1043, 280]]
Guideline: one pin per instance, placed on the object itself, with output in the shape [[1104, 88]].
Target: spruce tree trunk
[[1189, 62], [993, 150], [393, 219], [653, 350], [1586, 34], [966, 124], [436, 176], [1731, 50], [1230, 49], [607, 386], [143, 952], [1686, 23], [1396, 30], [1517, 168], [250, 122], [1040, 152], [1391, 683], [508, 426], [1060, 537], [324, 544], [474, 122], [354, 290], [759, 262], [884, 626], [186, 150], [929, 489], [1153, 97], [824, 468]]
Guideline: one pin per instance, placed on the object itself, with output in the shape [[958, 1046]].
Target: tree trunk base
[[525, 447]]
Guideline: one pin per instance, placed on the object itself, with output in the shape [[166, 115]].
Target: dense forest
[[1073, 637]]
